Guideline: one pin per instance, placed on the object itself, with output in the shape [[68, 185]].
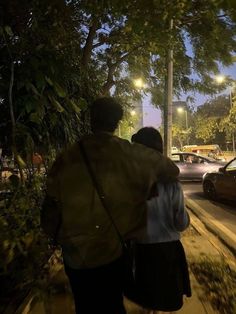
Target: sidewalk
[[195, 245], [60, 301]]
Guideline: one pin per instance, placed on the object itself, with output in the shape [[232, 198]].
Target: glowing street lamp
[[133, 113], [138, 83], [220, 79]]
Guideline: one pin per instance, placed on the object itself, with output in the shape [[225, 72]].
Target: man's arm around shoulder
[[161, 165]]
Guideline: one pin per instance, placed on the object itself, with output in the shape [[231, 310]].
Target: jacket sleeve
[[150, 160], [181, 216]]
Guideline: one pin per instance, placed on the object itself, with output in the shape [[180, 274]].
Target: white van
[[174, 149]]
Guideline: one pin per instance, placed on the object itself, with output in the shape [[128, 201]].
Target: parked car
[[221, 183], [193, 166]]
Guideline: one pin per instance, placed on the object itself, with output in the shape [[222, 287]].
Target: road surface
[[221, 216]]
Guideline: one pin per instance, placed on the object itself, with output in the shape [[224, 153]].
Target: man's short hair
[[105, 114]]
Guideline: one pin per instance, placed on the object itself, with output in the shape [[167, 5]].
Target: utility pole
[[231, 106], [168, 99]]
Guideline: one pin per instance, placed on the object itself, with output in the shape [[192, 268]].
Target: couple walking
[[96, 199]]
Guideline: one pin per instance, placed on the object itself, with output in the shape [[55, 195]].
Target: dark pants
[[98, 290]]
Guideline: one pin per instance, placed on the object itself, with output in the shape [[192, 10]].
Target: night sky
[[151, 115]]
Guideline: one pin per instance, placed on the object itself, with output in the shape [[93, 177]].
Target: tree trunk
[[13, 122]]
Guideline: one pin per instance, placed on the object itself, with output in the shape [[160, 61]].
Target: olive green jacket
[[126, 172]]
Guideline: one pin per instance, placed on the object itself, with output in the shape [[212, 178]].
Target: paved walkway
[[60, 300]]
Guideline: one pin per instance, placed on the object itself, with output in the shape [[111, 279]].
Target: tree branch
[[111, 70], [97, 45], [192, 19], [87, 50]]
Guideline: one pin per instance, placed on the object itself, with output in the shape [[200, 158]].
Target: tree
[[208, 120], [38, 84], [180, 135], [66, 53], [227, 124]]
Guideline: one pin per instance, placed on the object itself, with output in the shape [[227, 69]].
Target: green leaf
[[56, 104], [34, 89], [74, 106], [60, 91], [30, 87], [83, 103], [34, 117], [49, 81], [20, 161], [28, 106], [8, 30]]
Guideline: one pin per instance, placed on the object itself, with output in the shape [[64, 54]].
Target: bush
[[24, 249]]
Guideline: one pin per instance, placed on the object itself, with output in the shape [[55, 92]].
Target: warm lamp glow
[[138, 83], [220, 79]]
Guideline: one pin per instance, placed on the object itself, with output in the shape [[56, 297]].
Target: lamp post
[[231, 106]]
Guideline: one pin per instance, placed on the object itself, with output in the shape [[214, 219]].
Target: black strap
[[100, 192]]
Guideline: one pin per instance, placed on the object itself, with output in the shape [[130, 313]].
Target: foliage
[[210, 120], [130, 123], [218, 282], [228, 124], [180, 136], [57, 56], [24, 250], [207, 127], [37, 40]]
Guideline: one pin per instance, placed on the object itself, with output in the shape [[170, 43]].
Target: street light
[[220, 79], [138, 83], [180, 109], [133, 113]]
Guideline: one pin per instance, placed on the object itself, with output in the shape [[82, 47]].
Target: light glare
[[219, 78], [138, 83]]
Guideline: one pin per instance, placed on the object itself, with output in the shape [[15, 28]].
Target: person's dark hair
[[105, 114], [149, 137]]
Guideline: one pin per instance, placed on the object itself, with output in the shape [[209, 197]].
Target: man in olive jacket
[[73, 213]]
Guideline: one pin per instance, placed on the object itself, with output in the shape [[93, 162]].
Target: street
[[221, 215]]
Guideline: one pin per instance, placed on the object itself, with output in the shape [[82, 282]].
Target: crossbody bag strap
[[100, 191]]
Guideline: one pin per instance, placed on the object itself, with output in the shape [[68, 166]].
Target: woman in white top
[[161, 270]]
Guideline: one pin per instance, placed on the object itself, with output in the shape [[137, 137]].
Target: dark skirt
[[161, 276]]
